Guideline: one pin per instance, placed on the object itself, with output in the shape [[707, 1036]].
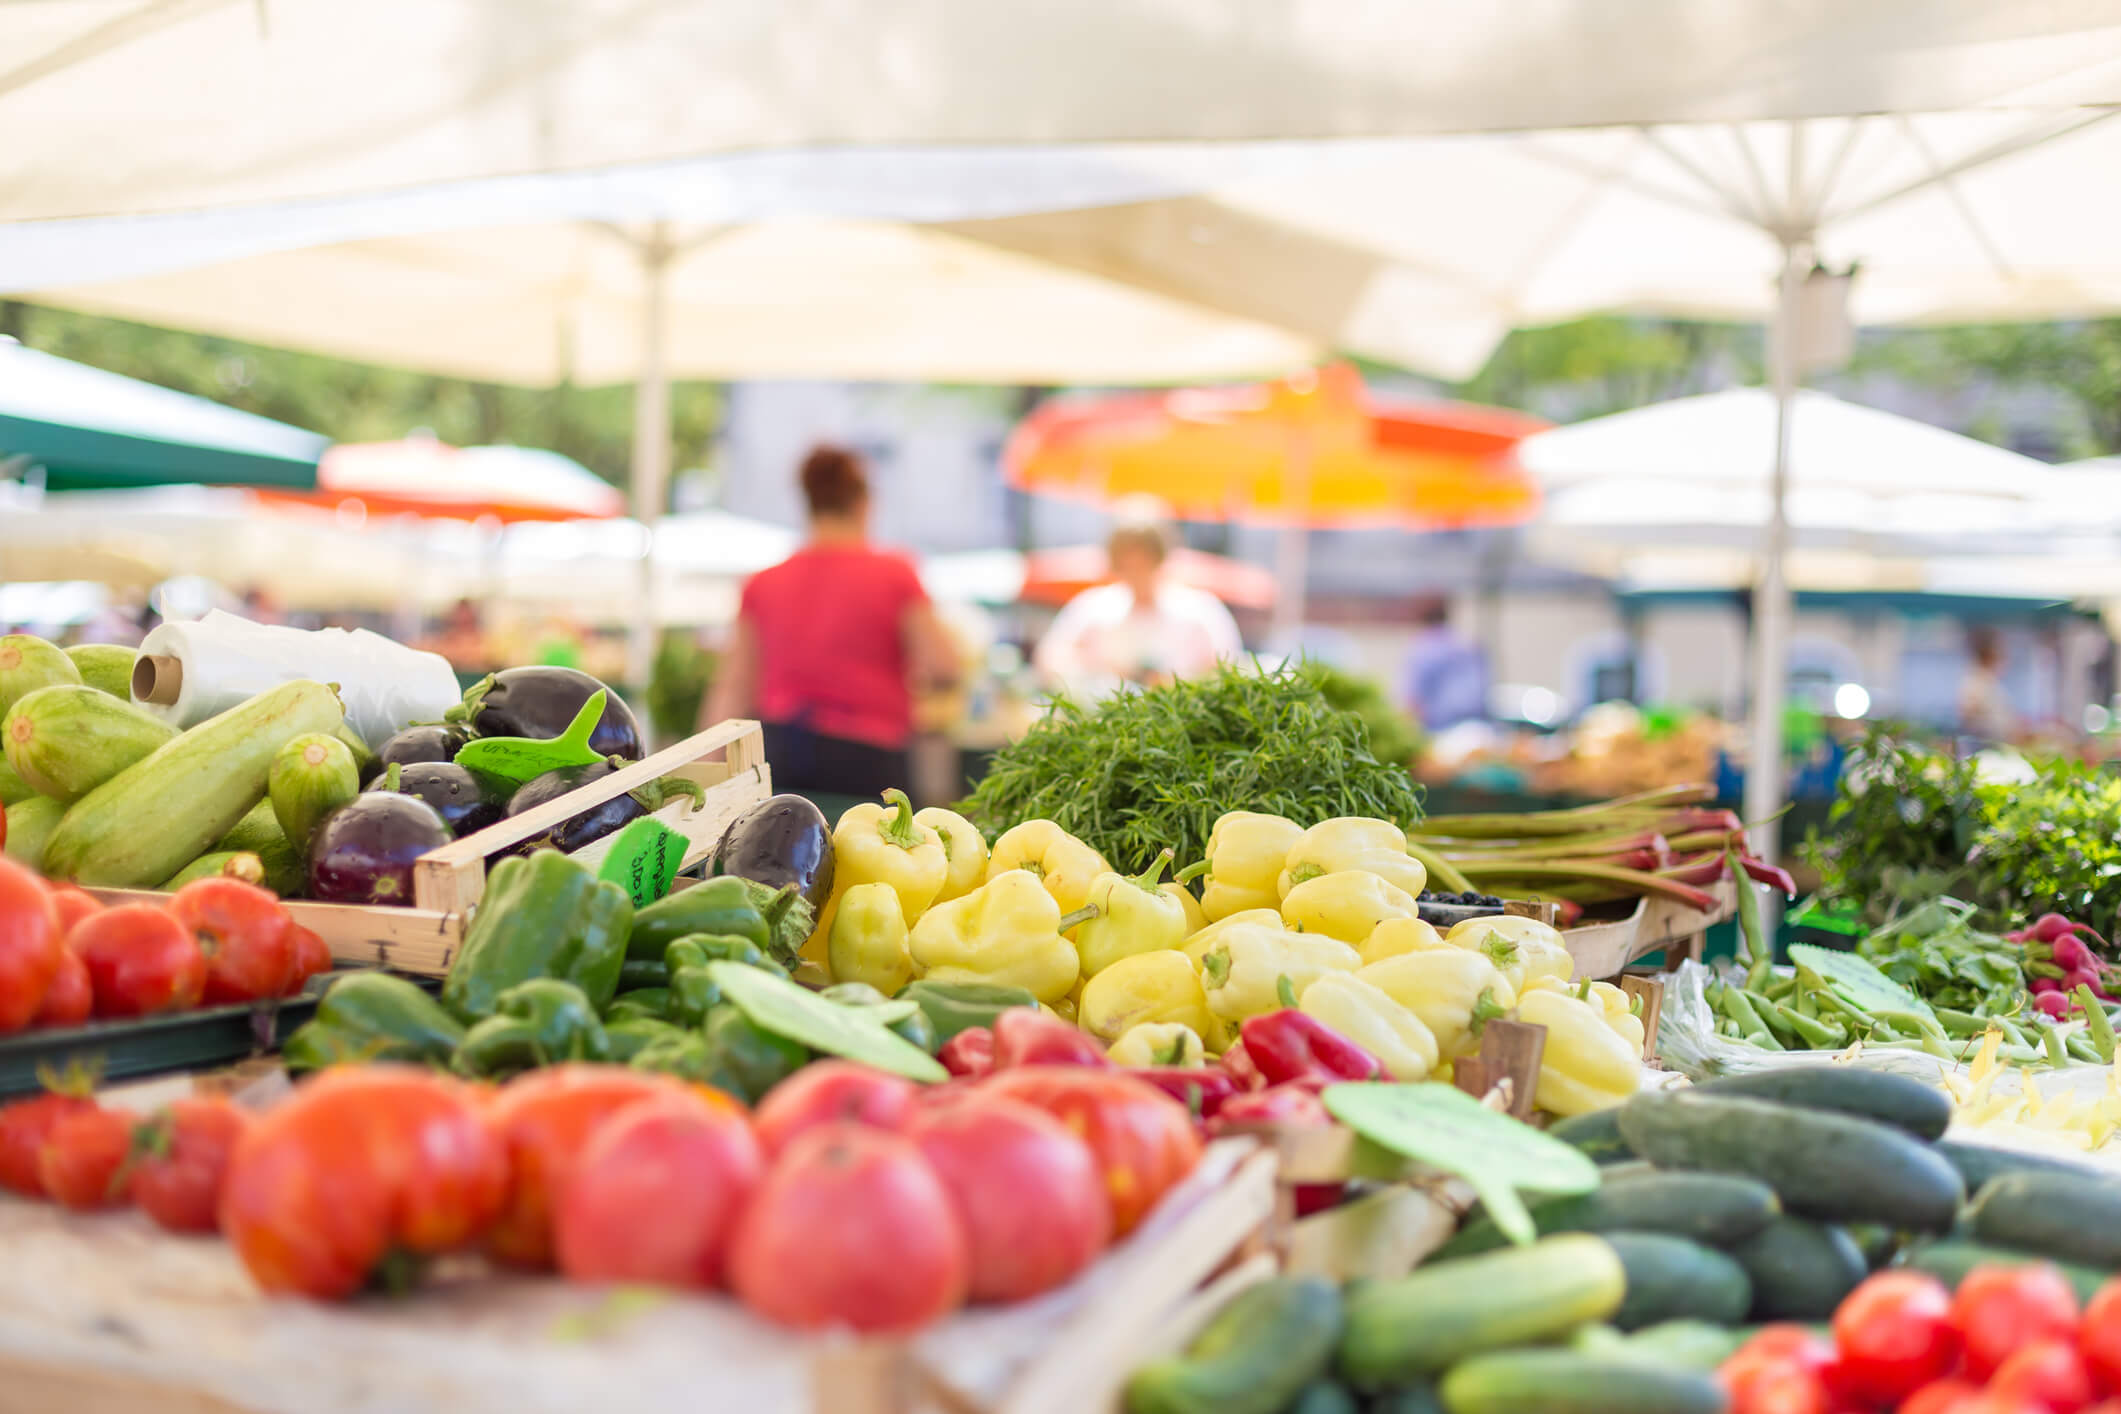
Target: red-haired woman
[[829, 644]]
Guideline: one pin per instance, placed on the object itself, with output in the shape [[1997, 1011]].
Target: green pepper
[[960, 1006], [729, 947], [543, 915], [373, 1016], [636, 974], [635, 1034], [750, 1059], [680, 1052], [539, 1022], [719, 906], [652, 1003], [914, 1027]]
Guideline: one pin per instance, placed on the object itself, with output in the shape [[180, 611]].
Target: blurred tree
[[2080, 361], [358, 402], [1607, 363]]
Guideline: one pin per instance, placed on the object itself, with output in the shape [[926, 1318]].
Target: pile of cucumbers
[[1761, 1197]]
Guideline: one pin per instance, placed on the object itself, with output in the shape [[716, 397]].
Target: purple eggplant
[[780, 841], [541, 703], [592, 824], [467, 800], [363, 852], [417, 746]]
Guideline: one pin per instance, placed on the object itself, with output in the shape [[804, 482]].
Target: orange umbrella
[[1315, 450], [1056, 576]]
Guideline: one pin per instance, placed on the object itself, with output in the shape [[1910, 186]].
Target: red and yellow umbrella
[[1315, 451]]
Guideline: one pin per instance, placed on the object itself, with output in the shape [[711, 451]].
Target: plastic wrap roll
[[189, 671]]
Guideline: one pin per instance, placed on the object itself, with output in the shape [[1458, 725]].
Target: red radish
[[2052, 1004]]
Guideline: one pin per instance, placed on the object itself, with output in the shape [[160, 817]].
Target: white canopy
[[127, 106]]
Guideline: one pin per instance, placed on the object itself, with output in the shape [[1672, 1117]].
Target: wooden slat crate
[[1603, 950], [728, 761]]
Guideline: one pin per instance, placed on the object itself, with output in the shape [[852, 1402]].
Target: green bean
[[2082, 1048], [1762, 1041], [1780, 989], [1752, 923], [2014, 1035], [1820, 1037], [1962, 1023], [2057, 1051], [2100, 1024], [1805, 1003], [1764, 1008], [1739, 1007], [1714, 993]]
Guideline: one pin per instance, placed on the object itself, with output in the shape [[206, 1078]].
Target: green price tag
[[644, 858], [1858, 981], [520, 758], [1448, 1129]]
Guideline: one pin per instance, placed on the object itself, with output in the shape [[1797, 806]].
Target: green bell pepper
[[635, 975], [915, 1027], [540, 1022], [543, 915], [960, 1006], [651, 1003], [680, 1052], [749, 1059], [778, 921], [372, 1016], [632, 1035]]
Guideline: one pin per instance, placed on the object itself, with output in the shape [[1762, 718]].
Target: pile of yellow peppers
[[1323, 919]]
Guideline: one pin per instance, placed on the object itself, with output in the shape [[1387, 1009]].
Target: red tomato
[[2100, 1336], [829, 1091], [656, 1194], [73, 905], [1991, 1402], [69, 999], [312, 956], [1895, 1336], [1943, 1397], [180, 1157], [141, 960], [543, 1120], [83, 1159], [1777, 1387], [29, 944], [1027, 1192], [24, 1125], [2047, 1372], [359, 1164], [1998, 1310], [1142, 1139], [850, 1228], [245, 935]]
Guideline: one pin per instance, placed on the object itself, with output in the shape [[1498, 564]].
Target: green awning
[[89, 430]]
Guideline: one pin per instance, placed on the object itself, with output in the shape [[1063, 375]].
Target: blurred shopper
[[1985, 709], [1141, 628], [830, 644], [1447, 672]]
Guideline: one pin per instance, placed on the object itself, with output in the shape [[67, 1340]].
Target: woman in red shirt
[[828, 646]]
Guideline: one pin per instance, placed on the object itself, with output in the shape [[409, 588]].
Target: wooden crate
[[100, 1314], [1602, 951], [727, 761]]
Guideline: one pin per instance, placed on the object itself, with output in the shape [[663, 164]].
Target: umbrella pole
[[1771, 595], [651, 445], [1292, 553]]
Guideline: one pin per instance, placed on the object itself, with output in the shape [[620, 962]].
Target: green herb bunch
[[1144, 771], [1394, 736]]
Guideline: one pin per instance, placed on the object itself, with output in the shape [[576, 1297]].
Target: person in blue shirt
[[1447, 673]]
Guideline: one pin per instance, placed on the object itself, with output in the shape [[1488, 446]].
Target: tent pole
[[651, 444], [1292, 552], [1771, 595]]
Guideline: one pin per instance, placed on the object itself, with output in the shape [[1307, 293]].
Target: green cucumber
[[29, 828], [1899, 1100], [1417, 1398], [12, 787], [1978, 1163], [155, 816], [1878, 1243], [1800, 1269], [1669, 1277], [1821, 1164], [27, 663], [1564, 1382], [1684, 1344], [1596, 1133], [1949, 1262], [1254, 1357], [1715, 1208], [2054, 1215], [1325, 1397], [106, 667], [68, 739], [313, 775], [1422, 1323]]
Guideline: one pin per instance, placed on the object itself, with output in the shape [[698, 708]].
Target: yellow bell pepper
[[868, 939], [1368, 1016], [1063, 863], [1586, 1065], [1353, 842], [874, 844], [1348, 905], [1149, 987], [1246, 853], [1396, 937], [1453, 991], [1189, 905], [1133, 916], [1196, 947], [1244, 972], [1155, 1043], [1007, 930], [1618, 1009], [964, 847], [1067, 1008], [1522, 949]]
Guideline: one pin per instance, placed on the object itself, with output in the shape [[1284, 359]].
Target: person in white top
[[1139, 629]]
